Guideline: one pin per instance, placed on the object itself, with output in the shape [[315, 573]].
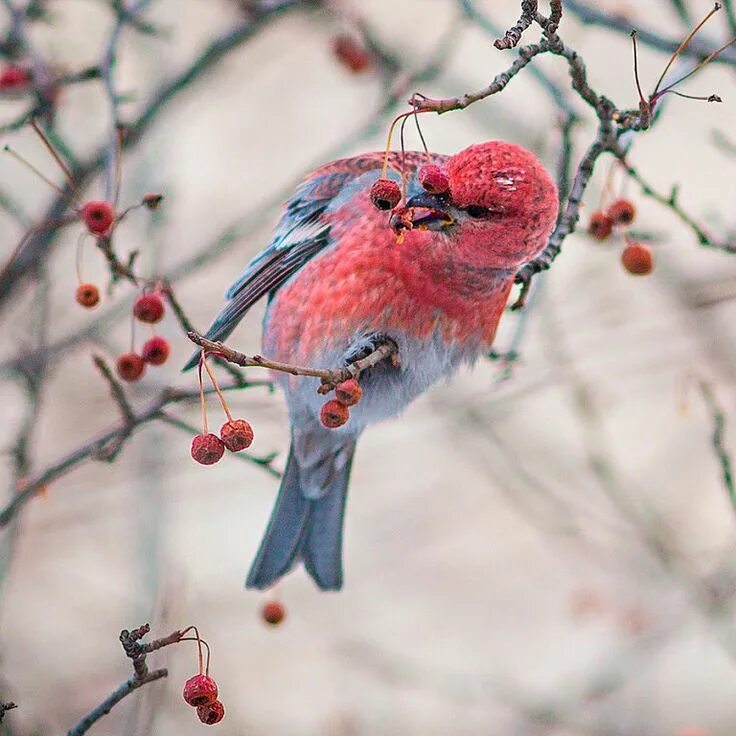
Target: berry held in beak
[[422, 212]]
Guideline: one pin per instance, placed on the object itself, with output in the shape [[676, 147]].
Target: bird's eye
[[477, 211]]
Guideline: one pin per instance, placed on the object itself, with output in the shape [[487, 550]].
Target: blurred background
[[540, 547]]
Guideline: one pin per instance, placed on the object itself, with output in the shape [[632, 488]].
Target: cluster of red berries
[[386, 193], [351, 53], [201, 693], [636, 257], [201, 690], [273, 612], [235, 435], [14, 79], [336, 412], [149, 308]]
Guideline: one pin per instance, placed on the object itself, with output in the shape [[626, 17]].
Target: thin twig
[[329, 377]]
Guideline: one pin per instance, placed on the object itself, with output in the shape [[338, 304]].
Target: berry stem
[[80, 254], [200, 641], [41, 176], [202, 358], [218, 392], [683, 46], [56, 156]]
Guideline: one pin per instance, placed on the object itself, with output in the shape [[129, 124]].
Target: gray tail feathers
[[307, 522]]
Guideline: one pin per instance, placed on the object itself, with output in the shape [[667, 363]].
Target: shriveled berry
[[334, 414], [211, 713], [200, 690], [433, 179], [88, 295], [348, 392], [14, 78], [622, 212], [130, 367], [156, 350], [149, 308], [385, 194], [600, 225], [236, 435], [98, 216], [207, 449], [351, 53], [273, 612], [152, 201], [637, 259]]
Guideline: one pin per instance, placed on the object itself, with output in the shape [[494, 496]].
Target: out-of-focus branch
[[38, 246], [591, 15], [719, 447], [98, 448]]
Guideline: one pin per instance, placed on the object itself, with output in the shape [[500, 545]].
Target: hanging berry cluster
[[336, 412], [386, 194], [636, 257], [235, 434], [147, 308], [200, 691]]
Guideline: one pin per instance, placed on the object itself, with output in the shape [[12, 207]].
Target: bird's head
[[499, 209]]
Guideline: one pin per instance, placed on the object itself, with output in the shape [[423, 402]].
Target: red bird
[[338, 280]]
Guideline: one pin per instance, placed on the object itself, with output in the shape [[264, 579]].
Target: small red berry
[[98, 216], [131, 367], [600, 225], [351, 53], [14, 78], [149, 308], [236, 435], [348, 392], [211, 713], [433, 179], [200, 690], [637, 259], [207, 449], [385, 194], [622, 212], [88, 295], [156, 350], [273, 612], [334, 414]]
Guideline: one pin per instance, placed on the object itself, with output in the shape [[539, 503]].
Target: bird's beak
[[422, 212]]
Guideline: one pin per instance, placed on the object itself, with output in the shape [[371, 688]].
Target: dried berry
[[385, 194], [88, 295], [334, 414], [98, 217], [433, 179], [236, 435], [200, 690], [149, 308], [273, 612], [130, 367], [348, 392], [14, 78], [600, 225], [156, 350], [211, 713], [622, 212], [207, 449], [152, 201], [637, 259], [351, 53]]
